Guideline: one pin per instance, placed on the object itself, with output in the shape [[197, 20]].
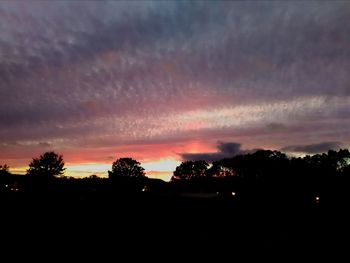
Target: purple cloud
[[313, 148], [225, 150], [114, 72]]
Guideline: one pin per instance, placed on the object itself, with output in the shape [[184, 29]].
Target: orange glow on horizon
[[18, 170], [158, 159], [161, 169]]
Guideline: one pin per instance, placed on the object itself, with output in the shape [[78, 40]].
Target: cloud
[[275, 126], [118, 58], [89, 76], [45, 144], [229, 147], [225, 150], [313, 148]]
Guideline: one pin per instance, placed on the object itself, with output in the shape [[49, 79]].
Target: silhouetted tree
[[47, 165], [93, 176], [221, 168], [337, 161], [190, 170], [4, 170], [126, 168], [263, 164]]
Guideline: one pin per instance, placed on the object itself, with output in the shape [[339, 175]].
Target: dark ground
[[171, 227]]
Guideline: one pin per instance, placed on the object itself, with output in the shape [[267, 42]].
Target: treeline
[[267, 165], [264, 174], [270, 175]]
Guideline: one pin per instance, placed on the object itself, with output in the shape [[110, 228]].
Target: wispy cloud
[[313, 148], [91, 77]]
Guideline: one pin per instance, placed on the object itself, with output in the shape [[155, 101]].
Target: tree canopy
[[190, 169], [47, 165], [269, 165], [126, 168]]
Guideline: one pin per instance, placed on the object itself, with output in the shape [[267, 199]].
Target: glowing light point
[[317, 199]]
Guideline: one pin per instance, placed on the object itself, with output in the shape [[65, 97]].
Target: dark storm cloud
[[313, 148], [225, 150]]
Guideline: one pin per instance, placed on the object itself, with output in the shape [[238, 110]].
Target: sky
[[168, 81]]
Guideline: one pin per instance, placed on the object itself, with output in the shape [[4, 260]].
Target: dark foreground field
[[169, 227]]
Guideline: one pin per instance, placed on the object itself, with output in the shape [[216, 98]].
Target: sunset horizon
[[168, 81]]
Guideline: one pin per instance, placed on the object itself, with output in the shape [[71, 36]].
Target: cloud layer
[[313, 148], [224, 150], [95, 79]]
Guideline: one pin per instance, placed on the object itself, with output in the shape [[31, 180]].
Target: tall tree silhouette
[[47, 165], [126, 168]]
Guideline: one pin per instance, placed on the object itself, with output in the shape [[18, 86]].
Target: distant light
[[317, 198], [6, 185], [233, 193], [217, 193]]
